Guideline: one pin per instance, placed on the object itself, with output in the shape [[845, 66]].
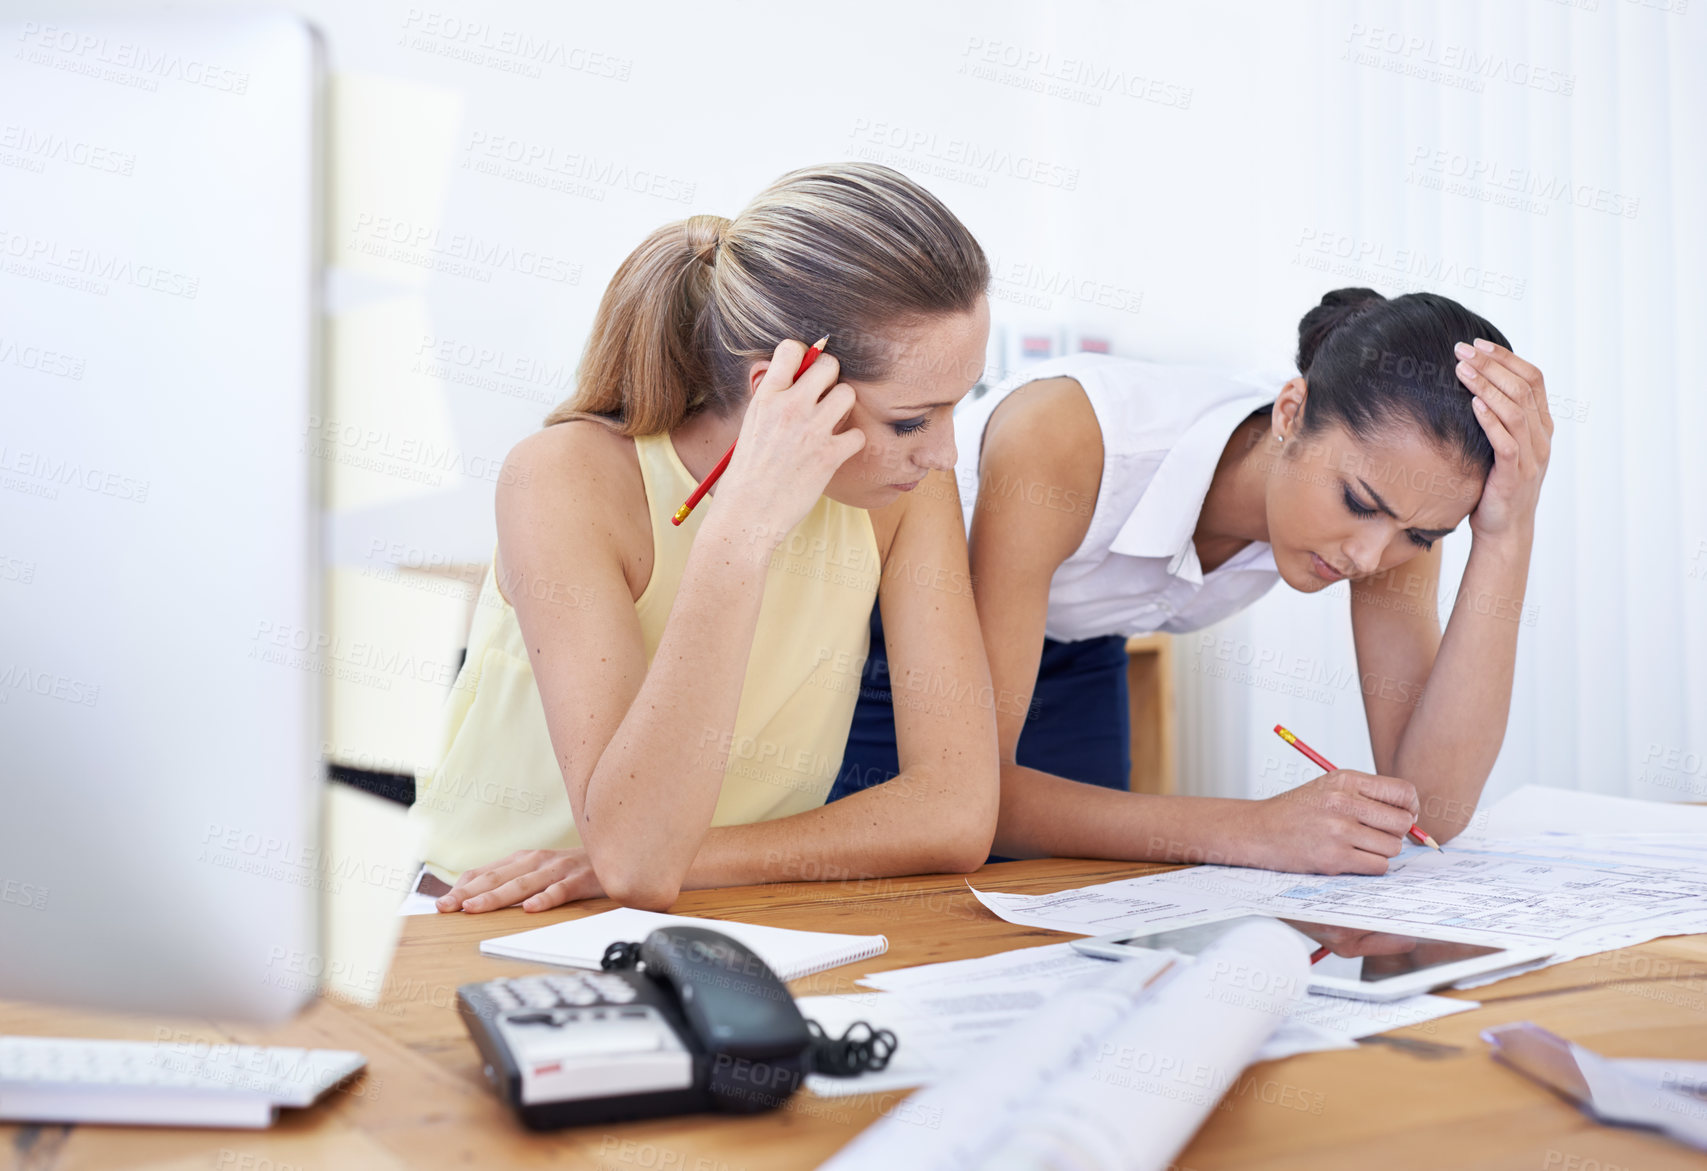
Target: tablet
[[1359, 963]]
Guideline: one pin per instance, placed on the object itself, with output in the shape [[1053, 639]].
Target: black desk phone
[[703, 1024]]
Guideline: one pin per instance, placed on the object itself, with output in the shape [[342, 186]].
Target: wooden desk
[[1434, 1101]]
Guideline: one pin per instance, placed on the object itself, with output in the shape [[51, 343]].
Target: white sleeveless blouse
[[1163, 430]]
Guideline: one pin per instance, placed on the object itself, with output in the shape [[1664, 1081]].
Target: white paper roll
[[1134, 1103], [959, 1121], [1113, 1073]]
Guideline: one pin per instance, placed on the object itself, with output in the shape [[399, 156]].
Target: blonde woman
[[665, 708]]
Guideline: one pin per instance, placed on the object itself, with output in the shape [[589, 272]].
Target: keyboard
[[150, 1083]]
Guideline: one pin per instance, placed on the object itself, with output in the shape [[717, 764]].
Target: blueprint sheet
[[1574, 891]]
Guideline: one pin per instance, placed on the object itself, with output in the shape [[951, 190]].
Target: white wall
[[1204, 171]]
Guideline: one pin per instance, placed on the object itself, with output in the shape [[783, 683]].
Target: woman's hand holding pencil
[[1415, 831], [790, 445], [1343, 823]]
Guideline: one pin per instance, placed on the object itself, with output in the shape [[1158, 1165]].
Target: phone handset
[[755, 1043]]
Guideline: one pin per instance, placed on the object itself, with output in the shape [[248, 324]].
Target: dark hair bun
[[1375, 363], [1337, 308]]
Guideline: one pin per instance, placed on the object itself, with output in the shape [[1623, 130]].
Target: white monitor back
[[160, 698]]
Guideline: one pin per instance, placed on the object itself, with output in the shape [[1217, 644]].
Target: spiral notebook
[[581, 943]]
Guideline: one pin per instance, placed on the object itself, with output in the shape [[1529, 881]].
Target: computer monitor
[[160, 620]]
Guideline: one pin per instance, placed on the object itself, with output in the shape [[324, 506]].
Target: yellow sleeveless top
[[496, 787]]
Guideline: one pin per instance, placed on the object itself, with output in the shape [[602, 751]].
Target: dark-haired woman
[[1107, 497], [647, 708]]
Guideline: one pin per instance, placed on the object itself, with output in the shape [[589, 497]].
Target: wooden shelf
[[1150, 680]]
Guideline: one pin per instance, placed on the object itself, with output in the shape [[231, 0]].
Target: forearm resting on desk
[[1043, 815], [917, 823], [650, 797], [1343, 822]]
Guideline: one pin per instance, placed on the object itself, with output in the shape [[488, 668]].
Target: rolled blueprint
[[957, 1122], [1134, 1103], [1115, 1072]]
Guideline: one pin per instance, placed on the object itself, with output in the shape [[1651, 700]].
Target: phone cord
[[863, 1047]]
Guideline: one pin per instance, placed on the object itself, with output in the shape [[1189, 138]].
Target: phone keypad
[[560, 990]]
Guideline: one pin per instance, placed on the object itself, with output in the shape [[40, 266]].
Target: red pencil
[[705, 484], [1321, 953], [1322, 762]]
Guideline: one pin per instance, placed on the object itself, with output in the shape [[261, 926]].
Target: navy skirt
[[1079, 726]]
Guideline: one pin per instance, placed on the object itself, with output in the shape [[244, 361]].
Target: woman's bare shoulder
[[1043, 447], [579, 482], [1048, 425], [571, 453]]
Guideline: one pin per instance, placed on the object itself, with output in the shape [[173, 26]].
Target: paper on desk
[[1122, 905], [1649, 1093], [1053, 961], [934, 1028], [1536, 809], [1680, 1077], [579, 943], [1189, 1044], [1122, 1067], [939, 1011], [1054, 965], [1364, 1018], [938, 1029], [1644, 1092], [1576, 893]]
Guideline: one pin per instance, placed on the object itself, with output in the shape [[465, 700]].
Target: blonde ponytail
[[642, 369], [849, 249]]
